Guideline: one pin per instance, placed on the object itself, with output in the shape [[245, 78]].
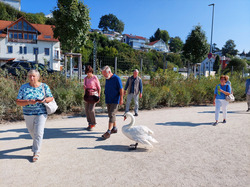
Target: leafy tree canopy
[[175, 59], [71, 23], [196, 47], [237, 64], [160, 34], [111, 22], [175, 44], [229, 48], [9, 13], [217, 64]]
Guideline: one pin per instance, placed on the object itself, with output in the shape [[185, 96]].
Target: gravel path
[[191, 152]]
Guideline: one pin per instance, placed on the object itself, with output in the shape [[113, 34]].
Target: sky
[[178, 17]]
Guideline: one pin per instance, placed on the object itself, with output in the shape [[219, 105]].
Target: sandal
[[35, 157]]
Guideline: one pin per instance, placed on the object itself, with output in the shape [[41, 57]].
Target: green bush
[[166, 88]]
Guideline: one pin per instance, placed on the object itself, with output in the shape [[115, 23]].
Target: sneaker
[[90, 127], [248, 110], [106, 135], [215, 123], [136, 114], [224, 121], [114, 130]]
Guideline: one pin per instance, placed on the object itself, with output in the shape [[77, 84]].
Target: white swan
[[139, 134]]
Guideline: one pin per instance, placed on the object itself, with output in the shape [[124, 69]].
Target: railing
[[21, 40]]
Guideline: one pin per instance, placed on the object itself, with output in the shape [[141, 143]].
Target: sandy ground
[[191, 152]]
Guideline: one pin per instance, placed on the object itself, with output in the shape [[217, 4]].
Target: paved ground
[[191, 152]]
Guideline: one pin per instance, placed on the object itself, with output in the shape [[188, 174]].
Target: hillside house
[[136, 42], [22, 41], [158, 45]]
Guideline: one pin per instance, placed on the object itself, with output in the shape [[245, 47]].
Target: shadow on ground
[[230, 112], [190, 124], [116, 148], [53, 133], [4, 154]]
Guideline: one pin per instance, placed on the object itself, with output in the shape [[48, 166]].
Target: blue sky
[[178, 17]]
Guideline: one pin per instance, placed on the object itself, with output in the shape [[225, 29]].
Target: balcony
[[22, 40]]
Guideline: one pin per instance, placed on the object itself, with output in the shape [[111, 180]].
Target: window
[[20, 50], [25, 26], [20, 25], [15, 35], [15, 26], [11, 35], [35, 51], [24, 50], [25, 36], [30, 36], [47, 36], [30, 28], [20, 35], [46, 51], [10, 49], [34, 36], [56, 54]]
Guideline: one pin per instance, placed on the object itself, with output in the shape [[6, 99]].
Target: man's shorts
[[112, 110]]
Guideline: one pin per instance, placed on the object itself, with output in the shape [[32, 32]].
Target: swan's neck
[[132, 121]]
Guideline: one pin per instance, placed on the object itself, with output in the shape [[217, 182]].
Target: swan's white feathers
[[139, 134]]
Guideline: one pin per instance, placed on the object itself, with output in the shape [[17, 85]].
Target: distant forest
[[9, 13]]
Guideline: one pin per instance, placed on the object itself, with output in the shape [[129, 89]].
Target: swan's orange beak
[[125, 118]]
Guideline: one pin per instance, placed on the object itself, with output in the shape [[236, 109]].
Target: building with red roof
[[136, 42], [159, 45], [23, 41]]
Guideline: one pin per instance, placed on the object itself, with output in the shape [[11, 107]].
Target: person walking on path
[[221, 91], [113, 97], [31, 97], [229, 83], [92, 89], [248, 94], [134, 87]]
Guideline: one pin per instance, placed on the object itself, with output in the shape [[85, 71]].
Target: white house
[[136, 42], [21, 41], [209, 63], [112, 35], [14, 3], [244, 55], [158, 45]]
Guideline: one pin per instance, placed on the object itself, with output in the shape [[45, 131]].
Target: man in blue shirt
[[113, 97], [134, 87]]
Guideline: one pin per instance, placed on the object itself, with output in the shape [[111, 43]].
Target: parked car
[[24, 66]]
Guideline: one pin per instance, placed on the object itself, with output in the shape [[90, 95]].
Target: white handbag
[[230, 98], [51, 107]]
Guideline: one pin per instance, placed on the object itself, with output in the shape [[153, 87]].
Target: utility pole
[[211, 44]]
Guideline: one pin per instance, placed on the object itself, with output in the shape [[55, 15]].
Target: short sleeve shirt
[[28, 92], [220, 95], [112, 90]]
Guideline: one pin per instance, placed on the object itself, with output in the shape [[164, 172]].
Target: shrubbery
[[164, 89]]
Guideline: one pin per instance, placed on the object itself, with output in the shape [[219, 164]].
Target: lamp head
[[211, 4]]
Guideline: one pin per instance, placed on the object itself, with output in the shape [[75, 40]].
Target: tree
[[229, 48], [111, 22], [71, 23], [175, 59], [215, 49], [165, 36], [196, 47], [217, 65], [175, 44], [160, 34], [237, 64]]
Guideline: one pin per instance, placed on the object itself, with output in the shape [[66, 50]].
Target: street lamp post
[[212, 28]]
